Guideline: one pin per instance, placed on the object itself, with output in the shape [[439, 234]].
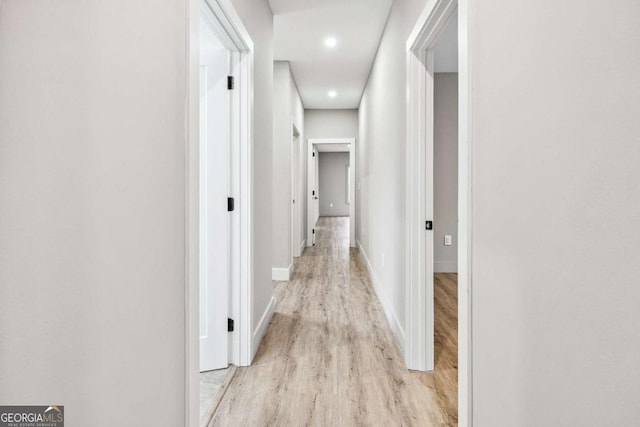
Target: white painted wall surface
[[280, 206], [92, 208], [287, 111], [333, 184], [92, 189], [381, 162], [555, 146], [556, 237], [326, 124], [445, 165], [258, 20]]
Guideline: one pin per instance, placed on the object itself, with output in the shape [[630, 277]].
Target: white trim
[[465, 216], [445, 267], [310, 202], [296, 177], [431, 22], [222, 17], [394, 323], [233, 32], [245, 297], [352, 162], [352, 183], [303, 244], [263, 324], [282, 274], [192, 207]]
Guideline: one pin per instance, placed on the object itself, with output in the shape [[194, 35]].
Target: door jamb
[[296, 213], [227, 25], [419, 350], [352, 173]]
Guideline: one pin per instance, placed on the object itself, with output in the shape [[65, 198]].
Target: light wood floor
[[329, 357]]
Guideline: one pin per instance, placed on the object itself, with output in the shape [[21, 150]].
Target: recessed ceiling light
[[332, 93], [330, 42]]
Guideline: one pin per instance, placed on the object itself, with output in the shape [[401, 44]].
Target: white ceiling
[[300, 29], [333, 148], [446, 51]]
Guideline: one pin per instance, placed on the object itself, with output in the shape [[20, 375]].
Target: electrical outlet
[[447, 240]]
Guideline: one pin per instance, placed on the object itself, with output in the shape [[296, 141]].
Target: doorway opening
[[297, 243], [444, 177], [218, 312], [438, 197], [331, 193]]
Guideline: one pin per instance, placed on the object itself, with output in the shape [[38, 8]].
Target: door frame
[[352, 175], [226, 24], [419, 345], [296, 192]]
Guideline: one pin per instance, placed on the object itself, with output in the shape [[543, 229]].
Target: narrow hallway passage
[[329, 357]]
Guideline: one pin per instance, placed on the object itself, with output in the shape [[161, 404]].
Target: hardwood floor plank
[[329, 357], [444, 379]]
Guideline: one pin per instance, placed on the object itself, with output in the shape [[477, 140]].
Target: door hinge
[[428, 225], [313, 231], [313, 192], [230, 82], [230, 325], [313, 155], [231, 204]]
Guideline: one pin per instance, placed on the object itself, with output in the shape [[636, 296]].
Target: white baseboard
[[396, 328], [282, 274], [445, 267], [301, 247], [261, 329]]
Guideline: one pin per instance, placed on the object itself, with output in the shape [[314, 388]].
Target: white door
[[316, 204], [313, 195], [214, 190]]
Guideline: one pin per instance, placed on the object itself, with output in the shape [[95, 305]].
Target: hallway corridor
[[329, 357]]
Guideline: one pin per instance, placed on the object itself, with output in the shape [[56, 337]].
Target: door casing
[[419, 337], [296, 193], [226, 24]]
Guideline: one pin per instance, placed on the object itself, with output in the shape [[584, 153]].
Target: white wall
[[331, 124], [281, 170], [288, 111], [445, 169], [258, 20], [381, 173], [556, 205], [556, 149], [92, 189], [333, 184], [92, 196]]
